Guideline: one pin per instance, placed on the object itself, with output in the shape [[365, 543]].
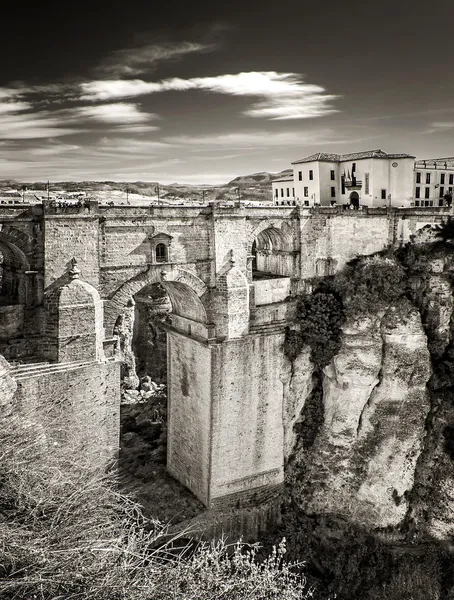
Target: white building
[[370, 178], [284, 191], [433, 181]]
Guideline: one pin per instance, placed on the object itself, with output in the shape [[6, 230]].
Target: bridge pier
[[225, 403]]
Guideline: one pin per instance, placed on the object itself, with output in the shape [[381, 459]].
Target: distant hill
[[259, 178], [255, 187]]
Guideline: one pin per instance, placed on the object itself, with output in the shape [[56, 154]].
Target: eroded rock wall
[[363, 460]]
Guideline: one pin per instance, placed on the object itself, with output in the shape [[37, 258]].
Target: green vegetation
[[66, 533], [365, 286]]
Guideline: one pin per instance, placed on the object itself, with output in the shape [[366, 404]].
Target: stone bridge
[[231, 273]]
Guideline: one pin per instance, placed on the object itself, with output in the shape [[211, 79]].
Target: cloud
[[282, 95], [135, 61], [24, 120], [443, 125], [116, 113], [260, 139], [439, 127], [12, 107], [110, 90]]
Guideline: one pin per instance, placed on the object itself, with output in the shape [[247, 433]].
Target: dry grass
[[67, 533]]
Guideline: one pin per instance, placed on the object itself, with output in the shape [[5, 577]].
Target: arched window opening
[[161, 253], [13, 266]]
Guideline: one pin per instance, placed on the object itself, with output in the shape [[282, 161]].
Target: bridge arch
[[271, 250], [181, 286]]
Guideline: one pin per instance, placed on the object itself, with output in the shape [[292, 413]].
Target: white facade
[[284, 191], [372, 178], [433, 183]]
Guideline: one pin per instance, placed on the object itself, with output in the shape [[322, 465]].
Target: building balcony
[[353, 184]]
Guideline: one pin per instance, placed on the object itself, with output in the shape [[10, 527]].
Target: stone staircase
[[38, 369]]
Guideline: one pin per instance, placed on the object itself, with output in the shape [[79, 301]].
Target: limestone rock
[[297, 380], [363, 461]]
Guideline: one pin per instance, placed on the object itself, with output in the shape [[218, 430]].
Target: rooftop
[[332, 157], [448, 161]]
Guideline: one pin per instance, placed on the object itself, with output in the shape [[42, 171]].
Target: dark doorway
[[354, 200]]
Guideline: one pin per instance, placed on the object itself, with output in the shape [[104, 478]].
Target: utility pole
[[47, 189], [203, 195], [157, 190]]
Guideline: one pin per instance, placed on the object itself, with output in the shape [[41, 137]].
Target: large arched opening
[[272, 254], [162, 329], [144, 309], [13, 267], [158, 306], [13, 296]]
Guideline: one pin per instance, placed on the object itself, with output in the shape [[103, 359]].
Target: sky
[[199, 93]]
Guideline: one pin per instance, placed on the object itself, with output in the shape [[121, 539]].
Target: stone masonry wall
[[247, 436], [84, 401], [189, 412], [68, 236]]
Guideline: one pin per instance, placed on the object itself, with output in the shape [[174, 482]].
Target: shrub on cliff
[[66, 533], [320, 317], [370, 284]]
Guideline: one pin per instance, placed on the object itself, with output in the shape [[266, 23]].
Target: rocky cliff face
[[382, 455], [363, 460], [379, 458]]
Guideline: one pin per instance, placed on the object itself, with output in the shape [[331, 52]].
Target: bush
[[67, 533], [370, 284], [320, 317]]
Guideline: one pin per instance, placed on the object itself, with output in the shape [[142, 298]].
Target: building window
[[300, 175], [353, 167], [333, 192], [427, 192], [306, 203], [418, 177], [161, 253], [427, 177], [442, 191], [311, 175], [282, 192], [277, 192], [418, 192], [293, 192], [383, 194], [288, 192], [366, 183], [306, 192], [343, 184], [451, 179], [442, 178], [333, 175]]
